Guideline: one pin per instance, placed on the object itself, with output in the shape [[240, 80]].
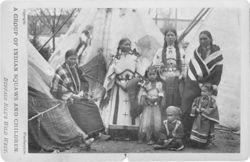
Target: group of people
[[167, 105]]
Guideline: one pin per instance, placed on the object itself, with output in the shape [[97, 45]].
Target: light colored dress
[[150, 121], [117, 115]]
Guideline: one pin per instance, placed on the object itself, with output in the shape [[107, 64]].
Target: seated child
[[206, 114], [171, 134], [150, 96]]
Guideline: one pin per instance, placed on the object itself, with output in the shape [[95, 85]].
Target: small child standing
[[206, 114], [150, 97], [171, 134]]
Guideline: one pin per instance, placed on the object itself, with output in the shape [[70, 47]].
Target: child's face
[[152, 75], [205, 91], [171, 116]]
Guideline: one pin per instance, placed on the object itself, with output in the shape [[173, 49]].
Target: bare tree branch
[[46, 17], [58, 29], [48, 12], [58, 19], [41, 20]]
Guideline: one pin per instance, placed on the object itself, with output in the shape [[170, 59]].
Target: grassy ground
[[224, 143]]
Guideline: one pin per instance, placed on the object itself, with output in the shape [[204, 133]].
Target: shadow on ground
[[225, 142]]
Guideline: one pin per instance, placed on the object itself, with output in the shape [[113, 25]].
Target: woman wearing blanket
[[204, 67], [67, 85]]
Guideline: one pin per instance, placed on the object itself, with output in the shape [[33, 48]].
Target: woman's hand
[[182, 76], [123, 85], [76, 96], [105, 100], [215, 88]]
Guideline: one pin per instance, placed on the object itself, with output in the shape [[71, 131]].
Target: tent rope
[[223, 128], [39, 114]]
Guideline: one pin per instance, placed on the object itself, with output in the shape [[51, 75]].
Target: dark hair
[[176, 45], [123, 40], [69, 53], [152, 68], [212, 46], [209, 35]]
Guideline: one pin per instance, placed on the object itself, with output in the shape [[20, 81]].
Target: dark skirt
[[172, 92], [190, 92], [87, 116]]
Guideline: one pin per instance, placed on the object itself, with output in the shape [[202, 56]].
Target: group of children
[[168, 133]]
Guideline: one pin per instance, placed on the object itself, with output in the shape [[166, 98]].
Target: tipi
[[107, 31], [54, 129], [109, 26]]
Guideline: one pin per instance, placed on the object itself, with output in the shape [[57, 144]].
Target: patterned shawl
[[199, 68], [66, 81]]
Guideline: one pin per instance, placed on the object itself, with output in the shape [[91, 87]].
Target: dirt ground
[[225, 142]]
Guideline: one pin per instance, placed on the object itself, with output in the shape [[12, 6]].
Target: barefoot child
[[150, 96], [206, 114], [171, 134]]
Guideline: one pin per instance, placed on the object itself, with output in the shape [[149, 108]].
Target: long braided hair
[[176, 46], [123, 40]]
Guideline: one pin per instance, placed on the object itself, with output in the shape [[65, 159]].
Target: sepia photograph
[[134, 80]]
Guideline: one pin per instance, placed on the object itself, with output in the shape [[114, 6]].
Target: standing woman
[[205, 67], [170, 60], [116, 112]]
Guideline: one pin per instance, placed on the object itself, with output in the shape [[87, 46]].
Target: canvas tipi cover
[[54, 127], [40, 72], [109, 27]]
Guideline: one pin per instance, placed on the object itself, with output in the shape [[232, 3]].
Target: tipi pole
[[156, 17], [196, 22], [176, 18], [57, 30], [193, 23]]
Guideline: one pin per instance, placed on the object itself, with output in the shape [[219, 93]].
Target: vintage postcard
[[134, 80]]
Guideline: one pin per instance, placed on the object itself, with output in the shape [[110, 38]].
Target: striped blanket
[[200, 70]]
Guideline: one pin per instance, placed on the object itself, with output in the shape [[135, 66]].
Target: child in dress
[[150, 97], [171, 134], [206, 114]]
